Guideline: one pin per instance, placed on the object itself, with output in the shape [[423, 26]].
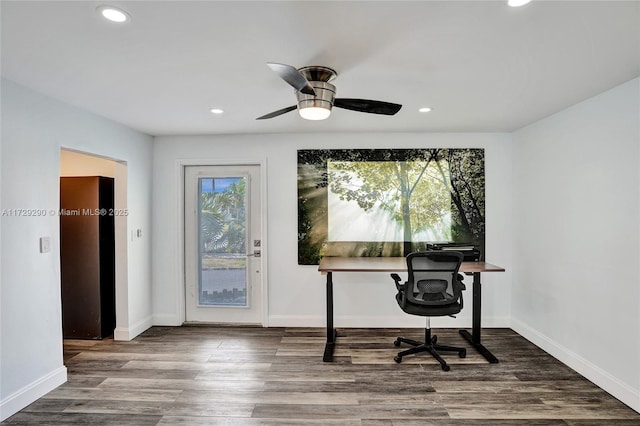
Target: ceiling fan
[[316, 96]]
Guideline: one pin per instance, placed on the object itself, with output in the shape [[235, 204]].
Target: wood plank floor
[[275, 376]]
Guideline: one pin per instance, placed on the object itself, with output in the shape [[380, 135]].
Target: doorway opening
[[75, 166]]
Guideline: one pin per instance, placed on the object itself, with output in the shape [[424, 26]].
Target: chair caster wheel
[[462, 353], [397, 359], [446, 368], [396, 343], [434, 340]]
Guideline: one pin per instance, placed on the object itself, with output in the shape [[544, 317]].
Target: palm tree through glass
[[222, 241]]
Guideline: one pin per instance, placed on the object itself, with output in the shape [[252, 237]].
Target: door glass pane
[[222, 241]]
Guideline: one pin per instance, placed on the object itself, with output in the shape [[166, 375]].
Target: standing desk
[[329, 265]]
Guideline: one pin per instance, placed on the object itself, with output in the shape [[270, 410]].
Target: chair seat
[[429, 310]]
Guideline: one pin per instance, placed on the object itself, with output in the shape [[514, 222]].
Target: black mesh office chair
[[434, 288]]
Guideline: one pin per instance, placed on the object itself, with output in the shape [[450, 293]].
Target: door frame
[[212, 162]]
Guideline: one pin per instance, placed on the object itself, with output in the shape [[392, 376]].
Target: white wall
[[577, 238], [73, 163], [296, 293], [34, 129]]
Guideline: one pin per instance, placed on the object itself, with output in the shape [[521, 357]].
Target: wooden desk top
[[389, 264]]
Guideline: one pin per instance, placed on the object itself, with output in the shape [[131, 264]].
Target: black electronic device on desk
[[469, 251]]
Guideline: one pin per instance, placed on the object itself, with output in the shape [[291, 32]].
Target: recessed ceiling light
[[113, 14], [216, 111], [424, 109], [517, 3]]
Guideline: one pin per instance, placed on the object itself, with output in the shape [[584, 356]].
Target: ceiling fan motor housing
[[317, 96], [325, 94]]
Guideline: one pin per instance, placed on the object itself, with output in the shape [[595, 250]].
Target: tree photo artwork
[[388, 202]]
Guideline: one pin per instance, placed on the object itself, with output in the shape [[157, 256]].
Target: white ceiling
[[481, 65]]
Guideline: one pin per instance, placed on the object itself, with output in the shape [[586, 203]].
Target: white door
[[223, 263]]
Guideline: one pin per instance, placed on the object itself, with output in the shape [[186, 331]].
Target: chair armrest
[[462, 286], [397, 279]]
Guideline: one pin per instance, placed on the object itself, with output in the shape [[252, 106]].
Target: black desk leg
[[475, 339], [331, 333]]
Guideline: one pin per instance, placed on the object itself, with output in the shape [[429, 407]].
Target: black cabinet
[[87, 256]]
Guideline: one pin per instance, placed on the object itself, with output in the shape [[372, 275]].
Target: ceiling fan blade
[[366, 105], [277, 113], [292, 76]]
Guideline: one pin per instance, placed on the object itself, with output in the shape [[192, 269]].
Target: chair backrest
[[433, 277]]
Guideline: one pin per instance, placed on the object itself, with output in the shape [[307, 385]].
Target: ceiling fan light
[[318, 106], [314, 113]]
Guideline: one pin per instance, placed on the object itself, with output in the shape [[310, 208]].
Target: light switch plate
[[45, 244]]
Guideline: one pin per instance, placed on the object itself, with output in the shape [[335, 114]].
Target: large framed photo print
[[388, 202]]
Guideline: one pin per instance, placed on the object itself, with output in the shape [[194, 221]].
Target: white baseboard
[[28, 394], [592, 372], [169, 320], [128, 333]]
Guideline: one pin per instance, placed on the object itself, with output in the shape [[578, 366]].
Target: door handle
[[256, 253]]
